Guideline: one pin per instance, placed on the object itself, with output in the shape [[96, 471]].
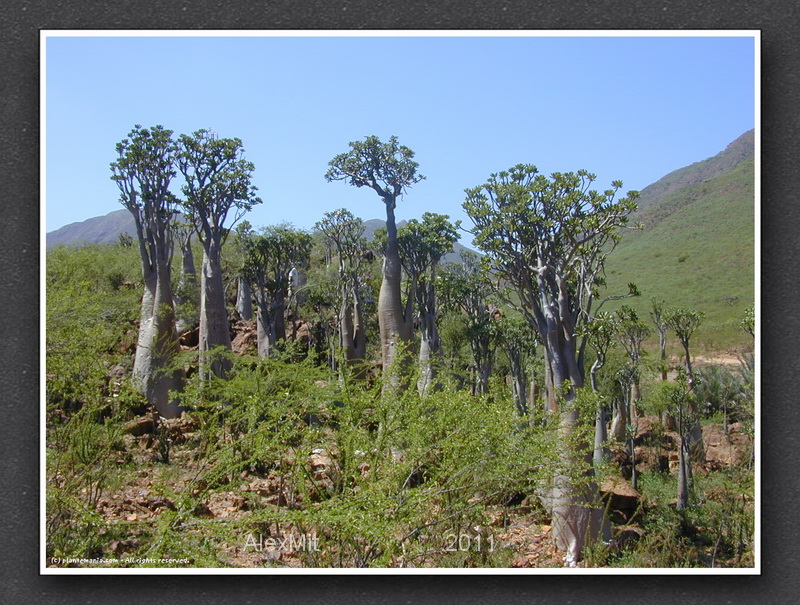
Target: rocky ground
[[521, 526]]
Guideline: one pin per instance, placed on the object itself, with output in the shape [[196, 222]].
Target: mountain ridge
[[106, 229], [739, 150]]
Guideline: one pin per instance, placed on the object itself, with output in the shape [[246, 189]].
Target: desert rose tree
[[217, 182], [345, 232], [467, 289], [422, 246], [270, 258], [388, 169], [684, 322], [143, 171], [549, 238]]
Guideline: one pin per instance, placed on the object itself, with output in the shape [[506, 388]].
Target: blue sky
[[628, 108]]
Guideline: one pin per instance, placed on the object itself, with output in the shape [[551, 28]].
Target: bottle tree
[[217, 191], [518, 342], [187, 300], [549, 238], [269, 261], [388, 169], [422, 246], [143, 172], [467, 289], [631, 332], [344, 232], [657, 310], [600, 332], [244, 294], [684, 322]]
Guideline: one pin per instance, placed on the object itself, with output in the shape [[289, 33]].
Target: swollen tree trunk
[[484, 363], [188, 272], [144, 348], [395, 331], [601, 453], [578, 517], [157, 344], [214, 328], [430, 346], [262, 331], [186, 299], [635, 397], [352, 330], [533, 393], [619, 419], [244, 299], [270, 321]]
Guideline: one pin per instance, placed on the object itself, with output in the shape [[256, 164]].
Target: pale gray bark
[[157, 344], [244, 299], [270, 321], [430, 348], [352, 329], [188, 299], [619, 420], [601, 452], [395, 330], [578, 517], [143, 173], [262, 332], [695, 447], [214, 328]]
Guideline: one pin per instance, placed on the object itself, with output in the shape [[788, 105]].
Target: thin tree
[[344, 232], [748, 324], [217, 182], [600, 331], [143, 172], [388, 169], [270, 258], [684, 322], [632, 332], [187, 297], [518, 342], [422, 246], [244, 294], [549, 237], [467, 288], [657, 311]]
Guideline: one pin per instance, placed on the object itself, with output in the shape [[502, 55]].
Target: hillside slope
[[97, 230], [106, 230], [737, 152], [697, 249]]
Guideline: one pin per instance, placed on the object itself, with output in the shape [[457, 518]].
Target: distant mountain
[[697, 245], [107, 229], [98, 230], [374, 224]]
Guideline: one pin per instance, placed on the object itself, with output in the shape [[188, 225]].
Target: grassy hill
[[696, 249]]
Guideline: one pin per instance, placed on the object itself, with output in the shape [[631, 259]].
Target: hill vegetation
[[696, 249]]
